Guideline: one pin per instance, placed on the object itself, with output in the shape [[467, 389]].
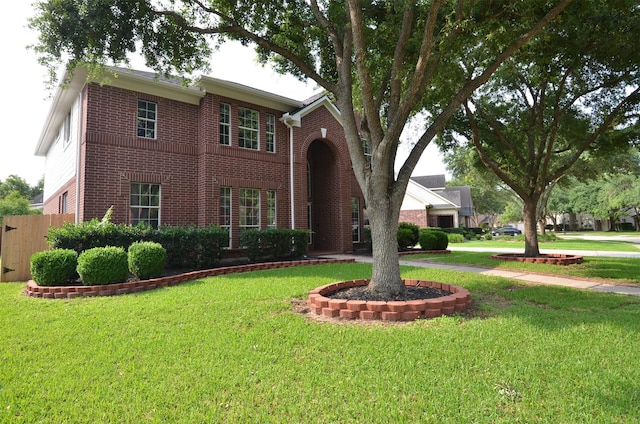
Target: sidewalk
[[575, 283]]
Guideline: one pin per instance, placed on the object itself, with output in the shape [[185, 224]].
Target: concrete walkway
[[576, 283]]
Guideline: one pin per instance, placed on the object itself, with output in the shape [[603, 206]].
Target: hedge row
[[274, 243], [186, 247]]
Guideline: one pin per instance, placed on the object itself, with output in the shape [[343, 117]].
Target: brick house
[[429, 203], [214, 152]]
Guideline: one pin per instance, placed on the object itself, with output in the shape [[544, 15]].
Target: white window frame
[[226, 210], [270, 143], [272, 210], [355, 220], [249, 209], [66, 131], [145, 117], [224, 117], [248, 128], [145, 203]]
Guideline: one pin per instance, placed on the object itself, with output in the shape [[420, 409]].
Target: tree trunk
[[385, 278], [531, 248]]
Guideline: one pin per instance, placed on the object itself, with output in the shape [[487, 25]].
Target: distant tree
[[576, 89], [382, 61], [14, 183], [16, 204], [512, 213]]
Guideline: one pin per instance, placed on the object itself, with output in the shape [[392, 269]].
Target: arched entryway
[[323, 198]]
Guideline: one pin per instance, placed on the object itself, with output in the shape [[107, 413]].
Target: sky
[[26, 100]]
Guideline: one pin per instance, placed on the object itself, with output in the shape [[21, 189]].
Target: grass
[[560, 244], [620, 270], [231, 349]]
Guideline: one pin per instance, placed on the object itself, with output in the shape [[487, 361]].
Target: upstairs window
[[147, 119], [225, 124], [66, 130], [366, 147], [271, 133], [248, 124]]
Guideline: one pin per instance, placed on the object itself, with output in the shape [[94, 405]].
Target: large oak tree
[[575, 90], [382, 61]]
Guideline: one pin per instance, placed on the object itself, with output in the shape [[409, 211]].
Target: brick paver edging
[[430, 252], [70, 292], [458, 300], [547, 258]]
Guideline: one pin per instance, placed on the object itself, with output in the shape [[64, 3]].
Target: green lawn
[[232, 349], [620, 270], [567, 244]]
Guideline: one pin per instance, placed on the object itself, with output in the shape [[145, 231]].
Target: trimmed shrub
[[488, 236], [408, 235], [455, 238], [53, 267], [428, 240], [146, 259], [441, 240], [103, 265]]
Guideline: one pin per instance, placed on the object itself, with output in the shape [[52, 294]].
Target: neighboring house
[[427, 208], [214, 152], [429, 203], [36, 202]]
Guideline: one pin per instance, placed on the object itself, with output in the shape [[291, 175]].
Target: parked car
[[506, 231]]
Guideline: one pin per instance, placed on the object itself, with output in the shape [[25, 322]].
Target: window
[[355, 220], [249, 209], [366, 147], [248, 128], [66, 130], [64, 202], [225, 210], [145, 204], [271, 209], [309, 185], [147, 119], [271, 133], [225, 124]]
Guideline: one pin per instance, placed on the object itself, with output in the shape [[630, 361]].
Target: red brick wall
[[188, 162], [417, 216]]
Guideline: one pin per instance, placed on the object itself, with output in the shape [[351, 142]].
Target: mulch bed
[[411, 293]]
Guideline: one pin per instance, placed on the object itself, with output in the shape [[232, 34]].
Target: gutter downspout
[[286, 119], [78, 143]]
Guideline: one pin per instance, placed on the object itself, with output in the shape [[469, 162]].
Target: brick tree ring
[[458, 299], [550, 258]]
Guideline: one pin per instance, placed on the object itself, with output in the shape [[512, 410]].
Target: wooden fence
[[22, 236]]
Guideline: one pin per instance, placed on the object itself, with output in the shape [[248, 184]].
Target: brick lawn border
[[71, 292], [549, 258], [458, 300]]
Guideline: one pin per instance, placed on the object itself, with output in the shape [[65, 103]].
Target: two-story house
[[214, 152]]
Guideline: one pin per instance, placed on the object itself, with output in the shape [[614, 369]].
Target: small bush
[[455, 238], [428, 240], [103, 265], [488, 236], [408, 235], [427, 243], [405, 238], [146, 259], [53, 267]]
